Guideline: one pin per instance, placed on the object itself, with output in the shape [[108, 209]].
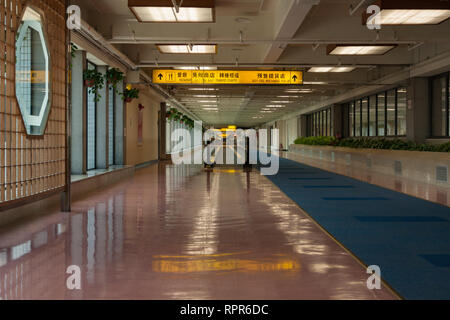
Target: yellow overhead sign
[[227, 77]]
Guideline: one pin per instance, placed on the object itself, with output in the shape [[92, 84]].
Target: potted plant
[[113, 76], [130, 93], [94, 81]]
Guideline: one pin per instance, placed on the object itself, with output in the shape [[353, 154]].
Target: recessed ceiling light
[[298, 90], [188, 49], [351, 49], [314, 82], [394, 12], [195, 68], [331, 69], [275, 106], [203, 89], [164, 11]]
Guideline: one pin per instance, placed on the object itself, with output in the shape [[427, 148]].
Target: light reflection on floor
[[178, 232]]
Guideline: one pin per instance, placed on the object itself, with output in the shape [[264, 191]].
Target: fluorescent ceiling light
[[205, 96], [196, 68], [210, 109], [359, 49], [298, 90], [184, 48], [331, 69], [314, 82], [205, 101], [280, 101], [411, 17], [164, 11], [203, 89], [394, 12], [275, 106], [287, 96]]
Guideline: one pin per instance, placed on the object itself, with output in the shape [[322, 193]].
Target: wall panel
[[31, 166]]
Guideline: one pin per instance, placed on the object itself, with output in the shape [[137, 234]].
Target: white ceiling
[[267, 34]]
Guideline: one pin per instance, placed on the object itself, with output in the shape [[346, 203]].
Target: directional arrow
[[295, 78], [160, 76]]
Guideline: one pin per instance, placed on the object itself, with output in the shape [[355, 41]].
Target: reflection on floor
[[178, 232]]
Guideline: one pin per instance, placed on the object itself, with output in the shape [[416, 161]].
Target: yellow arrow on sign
[[227, 77]]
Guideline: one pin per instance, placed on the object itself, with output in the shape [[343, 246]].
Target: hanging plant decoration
[[113, 76], [94, 81], [173, 112], [140, 107], [73, 49], [130, 93]]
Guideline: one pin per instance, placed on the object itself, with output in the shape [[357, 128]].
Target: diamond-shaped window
[[32, 72]]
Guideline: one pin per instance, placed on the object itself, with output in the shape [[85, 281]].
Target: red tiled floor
[[177, 232]]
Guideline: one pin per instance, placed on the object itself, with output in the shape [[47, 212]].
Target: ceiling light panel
[[359, 49], [396, 12], [183, 48], [331, 69], [164, 11]]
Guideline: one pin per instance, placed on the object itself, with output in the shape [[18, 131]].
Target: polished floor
[[178, 232]]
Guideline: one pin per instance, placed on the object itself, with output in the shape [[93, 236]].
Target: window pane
[[364, 115], [448, 103], [351, 121], [401, 111], [91, 130], [439, 118], [330, 124], [372, 116], [314, 124], [381, 113], [111, 125], [357, 118], [390, 113]]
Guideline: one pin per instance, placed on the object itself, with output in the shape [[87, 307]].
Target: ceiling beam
[[288, 26]]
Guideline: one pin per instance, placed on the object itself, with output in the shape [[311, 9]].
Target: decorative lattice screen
[[31, 165]]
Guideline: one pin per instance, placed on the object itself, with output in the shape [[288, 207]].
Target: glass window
[[373, 116], [381, 111], [329, 126], [32, 79], [351, 120], [390, 119], [365, 117], [448, 104], [111, 120], [439, 118], [357, 118], [91, 125], [401, 111]]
